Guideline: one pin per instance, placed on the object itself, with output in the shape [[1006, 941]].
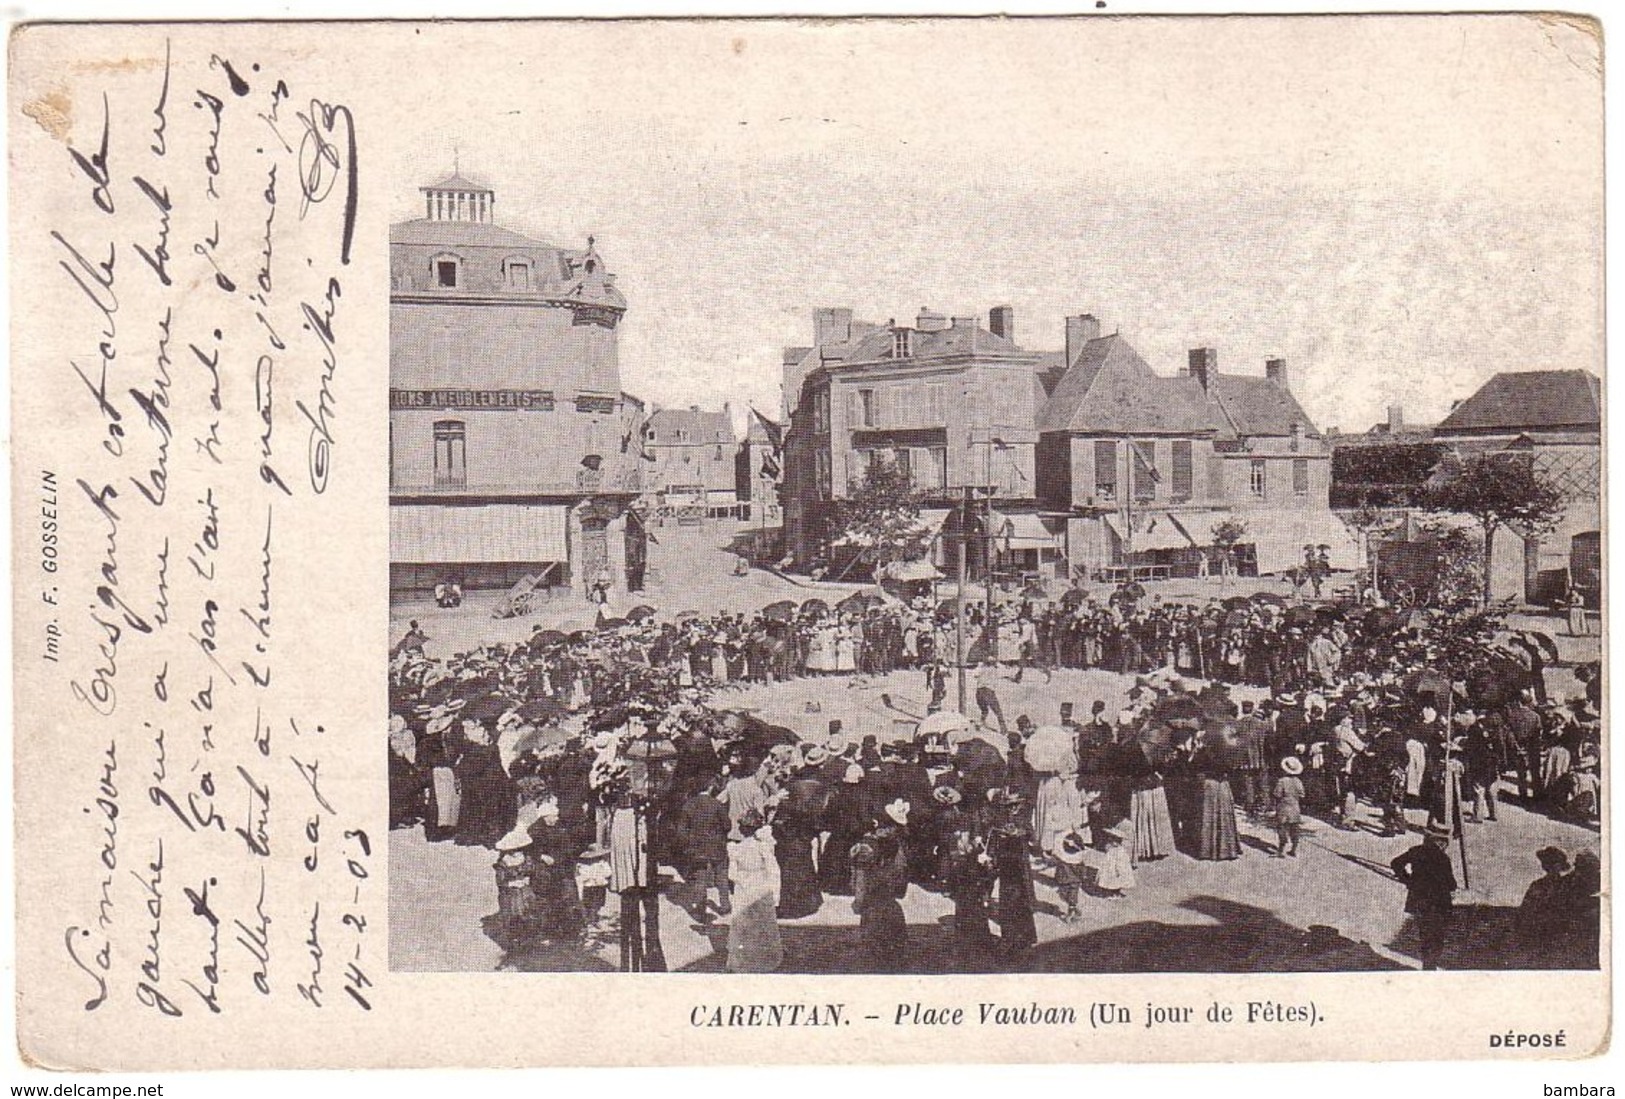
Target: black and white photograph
[[1102, 497]]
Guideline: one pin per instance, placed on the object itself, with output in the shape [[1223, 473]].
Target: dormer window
[[518, 271], [902, 344], [446, 271]]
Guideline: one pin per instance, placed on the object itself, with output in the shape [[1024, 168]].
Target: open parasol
[[1050, 749], [1427, 681], [641, 613], [782, 611], [941, 722], [815, 606], [1236, 602], [1072, 597]]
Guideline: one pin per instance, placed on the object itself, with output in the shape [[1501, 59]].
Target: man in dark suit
[[1430, 882], [702, 827]]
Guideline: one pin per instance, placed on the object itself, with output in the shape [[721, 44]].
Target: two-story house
[[694, 454], [1142, 466]]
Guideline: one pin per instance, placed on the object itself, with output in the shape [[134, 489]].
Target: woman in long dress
[[846, 819], [1216, 837], [796, 825], [754, 945], [846, 649], [1148, 809]]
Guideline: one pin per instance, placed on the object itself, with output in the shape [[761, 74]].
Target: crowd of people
[[1367, 720]]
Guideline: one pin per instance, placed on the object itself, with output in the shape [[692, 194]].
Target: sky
[[1398, 206]]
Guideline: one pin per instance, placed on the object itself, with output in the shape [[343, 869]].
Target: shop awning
[[1280, 536], [431, 534], [1152, 531], [1022, 532]]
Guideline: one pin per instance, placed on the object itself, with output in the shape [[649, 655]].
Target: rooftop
[[1530, 400]]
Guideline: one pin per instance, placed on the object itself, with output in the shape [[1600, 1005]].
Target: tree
[[1226, 533], [881, 515], [1370, 520], [1498, 490]]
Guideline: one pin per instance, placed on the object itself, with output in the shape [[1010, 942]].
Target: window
[[1183, 474], [866, 407], [935, 410], [821, 473], [1106, 470], [1300, 477], [450, 453], [445, 273], [937, 477], [518, 275], [1256, 478], [1145, 469], [902, 344], [900, 457], [820, 412]]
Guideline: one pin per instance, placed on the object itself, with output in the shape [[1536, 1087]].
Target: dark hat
[[1553, 858]]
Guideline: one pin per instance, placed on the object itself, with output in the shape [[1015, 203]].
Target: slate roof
[[1257, 406], [1111, 389], [701, 426], [1530, 400], [947, 343], [465, 233]]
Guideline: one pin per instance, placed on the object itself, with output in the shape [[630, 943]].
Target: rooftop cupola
[[456, 198]]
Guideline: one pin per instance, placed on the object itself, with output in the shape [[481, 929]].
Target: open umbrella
[[782, 611], [1050, 749], [641, 613], [1300, 616], [549, 637], [1543, 641], [1236, 602], [542, 711], [1427, 681], [1268, 597], [943, 721], [855, 603], [1072, 597], [814, 606], [684, 616]]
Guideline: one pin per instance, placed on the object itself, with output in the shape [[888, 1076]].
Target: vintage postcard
[[821, 541]]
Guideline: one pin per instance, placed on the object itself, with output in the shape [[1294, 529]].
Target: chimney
[[1079, 331], [1001, 321], [967, 324], [928, 321], [832, 326], [1204, 365], [1396, 419], [1275, 371]]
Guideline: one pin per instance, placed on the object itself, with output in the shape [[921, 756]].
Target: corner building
[[512, 449]]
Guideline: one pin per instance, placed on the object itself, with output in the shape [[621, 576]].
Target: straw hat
[[1292, 765], [897, 810], [1071, 849]]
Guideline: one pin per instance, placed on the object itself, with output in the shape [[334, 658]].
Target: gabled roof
[[698, 425], [1258, 406], [1110, 389], [1529, 400]]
